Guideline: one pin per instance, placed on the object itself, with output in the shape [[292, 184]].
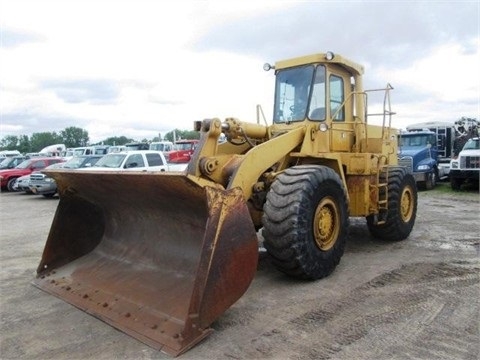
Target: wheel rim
[[406, 204], [326, 224], [10, 185]]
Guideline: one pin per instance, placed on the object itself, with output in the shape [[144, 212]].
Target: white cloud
[[445, 85], [133, 68], [449, 73], [141, 47]]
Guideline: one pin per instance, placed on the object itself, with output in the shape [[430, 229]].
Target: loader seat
[[317, 114]]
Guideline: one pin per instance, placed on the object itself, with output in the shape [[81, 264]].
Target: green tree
[[74, 137], [9, 142], [24, 144], [117, 140], [40, 140], [182, 134]]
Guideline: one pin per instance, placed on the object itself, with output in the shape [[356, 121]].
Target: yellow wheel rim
[[326, 224], [407, 204]]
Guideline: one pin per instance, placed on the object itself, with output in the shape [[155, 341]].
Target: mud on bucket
[[155, 255]]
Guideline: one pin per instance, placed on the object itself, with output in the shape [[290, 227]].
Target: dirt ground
[[415, 299]]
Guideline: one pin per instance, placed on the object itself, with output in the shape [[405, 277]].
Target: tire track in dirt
[[394, 311]]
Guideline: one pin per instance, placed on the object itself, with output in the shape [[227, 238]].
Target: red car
[[183, 151], [8, 176]]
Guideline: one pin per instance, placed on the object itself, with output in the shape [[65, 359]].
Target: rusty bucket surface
[[155, 255]]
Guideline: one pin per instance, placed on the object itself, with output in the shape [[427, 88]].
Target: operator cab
[[317, 91]]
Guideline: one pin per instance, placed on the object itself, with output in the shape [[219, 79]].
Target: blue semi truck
[[418, 150], [427, 149]]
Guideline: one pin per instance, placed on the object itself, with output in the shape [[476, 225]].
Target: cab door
[[340, 109]]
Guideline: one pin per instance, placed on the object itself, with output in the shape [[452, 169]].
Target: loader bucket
[[155, 255]]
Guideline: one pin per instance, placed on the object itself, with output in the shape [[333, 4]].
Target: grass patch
[[467, 189]]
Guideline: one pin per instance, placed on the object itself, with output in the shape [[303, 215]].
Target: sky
[[141, 68]]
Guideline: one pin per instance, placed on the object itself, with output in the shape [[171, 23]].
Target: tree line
[[73, 137]]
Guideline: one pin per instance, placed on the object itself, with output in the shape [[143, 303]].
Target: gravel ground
[[415, 299]]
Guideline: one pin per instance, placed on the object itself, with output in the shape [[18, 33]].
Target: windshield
[[25, 164], [5, 163], [472, 144], [184, 146], [78, 152], [293, 90], [160, 146], [111, 161], [74, 163], [417, 140]]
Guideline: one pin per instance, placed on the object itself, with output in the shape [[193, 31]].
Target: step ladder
[[379, 192]]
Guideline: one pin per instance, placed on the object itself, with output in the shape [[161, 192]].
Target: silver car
[[41, 184]]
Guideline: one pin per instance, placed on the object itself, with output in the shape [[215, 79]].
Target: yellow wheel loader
[[160, 256]]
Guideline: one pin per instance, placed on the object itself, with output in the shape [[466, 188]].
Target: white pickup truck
[[140, 160], [467, 165]]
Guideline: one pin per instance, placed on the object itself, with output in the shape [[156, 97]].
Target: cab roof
[[351, 66]]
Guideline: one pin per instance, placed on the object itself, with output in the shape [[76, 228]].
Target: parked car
[[182, 152], [137, 146], [9, 153], [101, 149], [9, 176], [161, 146], [139, 160], [116, 149], [11, 162], [83, 161], [42, 184], [21, 184]]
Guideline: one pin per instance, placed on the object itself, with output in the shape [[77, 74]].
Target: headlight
[[454, 165], [423, 167], [329, 55], [48, 179]]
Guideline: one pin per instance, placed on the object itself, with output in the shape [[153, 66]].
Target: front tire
[[10, 184], [402, 207], [431, 180], [306, 221]]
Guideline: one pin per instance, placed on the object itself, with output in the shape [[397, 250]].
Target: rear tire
[[306, 221], [402, 207]]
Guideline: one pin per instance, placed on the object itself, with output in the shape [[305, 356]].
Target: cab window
[[317, 101], [135, 160], [291, 93], [337, 97], [154, 160]]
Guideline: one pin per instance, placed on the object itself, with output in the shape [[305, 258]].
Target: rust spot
[[68, 288], [52, 281], [105, 304], [85, 296], [127, 315], [154, 326]]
